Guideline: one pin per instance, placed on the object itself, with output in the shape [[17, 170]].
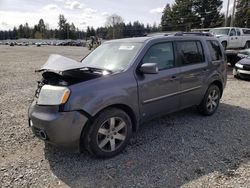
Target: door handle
[[204, 70], [173, 78]]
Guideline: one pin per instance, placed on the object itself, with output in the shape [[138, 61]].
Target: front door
[[233, 41], [158, 93]]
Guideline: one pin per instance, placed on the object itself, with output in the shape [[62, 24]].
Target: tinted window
[[190, 52], [246, 31], [162, 54], [232, 32], [238, 32], [215, 50]]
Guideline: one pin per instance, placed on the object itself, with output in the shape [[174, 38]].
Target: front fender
[[98, 94]]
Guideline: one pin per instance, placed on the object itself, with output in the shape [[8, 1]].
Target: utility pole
[[113, 19], [233, 14], [68, 32], [202, 22], [228, 2]]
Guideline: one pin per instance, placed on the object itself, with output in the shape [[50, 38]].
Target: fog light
[[31, 123]]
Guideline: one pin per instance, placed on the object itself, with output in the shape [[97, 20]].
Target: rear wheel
[[210, 101], [109, 134]]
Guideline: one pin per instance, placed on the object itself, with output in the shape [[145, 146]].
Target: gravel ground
[[183, 149]]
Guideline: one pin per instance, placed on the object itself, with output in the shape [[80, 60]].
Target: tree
[[20, 31], [63, 27], [41, 27], [187, 14], [242, 17], [114, 23], [113, 20], [26, 31], [166, 19], [15, 33], [209, 11]]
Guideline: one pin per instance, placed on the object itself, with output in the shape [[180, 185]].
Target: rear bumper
[[62, 129]]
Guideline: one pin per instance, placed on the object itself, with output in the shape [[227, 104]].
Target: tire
[[109, 133], [224, 44], [211, 100], [247, 45]]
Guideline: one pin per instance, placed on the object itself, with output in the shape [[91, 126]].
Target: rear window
[[190, 52], [246, 31], [215, 50]]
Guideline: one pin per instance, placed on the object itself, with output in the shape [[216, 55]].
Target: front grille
[[246, 67], [39, 87]]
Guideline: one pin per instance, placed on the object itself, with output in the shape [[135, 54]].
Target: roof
[[158, 36]]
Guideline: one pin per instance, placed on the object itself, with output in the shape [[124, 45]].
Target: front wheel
[[224, 44], [109, 134], [210, 101], [247, 45]]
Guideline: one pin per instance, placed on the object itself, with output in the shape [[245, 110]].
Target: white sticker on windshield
[[126, 47]]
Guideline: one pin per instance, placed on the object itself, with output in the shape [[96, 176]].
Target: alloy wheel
[[212, 100], [111, 134]]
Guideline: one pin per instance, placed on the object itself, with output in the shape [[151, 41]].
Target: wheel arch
[[247, 42], [126, 109], [219, 84]]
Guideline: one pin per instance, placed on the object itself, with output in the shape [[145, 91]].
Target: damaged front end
[[48, 119], [62, 71]]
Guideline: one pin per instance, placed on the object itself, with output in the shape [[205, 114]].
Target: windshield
[[114, 56], [220, 31]]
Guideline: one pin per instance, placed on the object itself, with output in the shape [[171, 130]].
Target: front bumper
[[58, 128], [245, 74]]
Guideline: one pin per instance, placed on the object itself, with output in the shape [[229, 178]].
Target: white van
[[232, 37]]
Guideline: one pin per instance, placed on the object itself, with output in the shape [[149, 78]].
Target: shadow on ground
[[167, 152]]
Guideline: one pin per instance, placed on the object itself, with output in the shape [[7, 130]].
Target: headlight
[[239, 65], [53, 95]]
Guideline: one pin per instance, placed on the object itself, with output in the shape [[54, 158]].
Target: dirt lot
[[183, 149]]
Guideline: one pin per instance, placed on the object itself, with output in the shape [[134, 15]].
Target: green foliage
[[242, 17], [186, 14]]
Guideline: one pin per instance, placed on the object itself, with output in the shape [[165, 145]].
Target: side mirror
[[149, 68]]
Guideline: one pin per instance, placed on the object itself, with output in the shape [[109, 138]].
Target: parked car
[[233, 56], [12, 44], [233, 37], [242, 67], [98, 103]]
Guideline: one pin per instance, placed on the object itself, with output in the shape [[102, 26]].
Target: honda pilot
[[98, 103]]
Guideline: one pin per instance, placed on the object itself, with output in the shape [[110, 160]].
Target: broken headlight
[[53, 95]]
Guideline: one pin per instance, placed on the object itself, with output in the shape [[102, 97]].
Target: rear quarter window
[[215, 50], [246, 31]]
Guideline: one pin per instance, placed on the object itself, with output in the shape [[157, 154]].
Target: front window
[[220, 31], [162, 54], [113, 56]]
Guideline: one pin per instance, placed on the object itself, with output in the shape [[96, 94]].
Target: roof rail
[[193, 33]]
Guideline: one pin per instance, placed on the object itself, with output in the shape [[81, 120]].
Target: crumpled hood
[[60, 63]]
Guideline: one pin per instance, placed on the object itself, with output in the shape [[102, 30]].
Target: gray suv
[[98, 103]]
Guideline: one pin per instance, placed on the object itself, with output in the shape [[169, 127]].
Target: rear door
[[193, 70], [158, 93]]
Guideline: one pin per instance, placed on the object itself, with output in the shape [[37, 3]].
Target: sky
[[82, 13]]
